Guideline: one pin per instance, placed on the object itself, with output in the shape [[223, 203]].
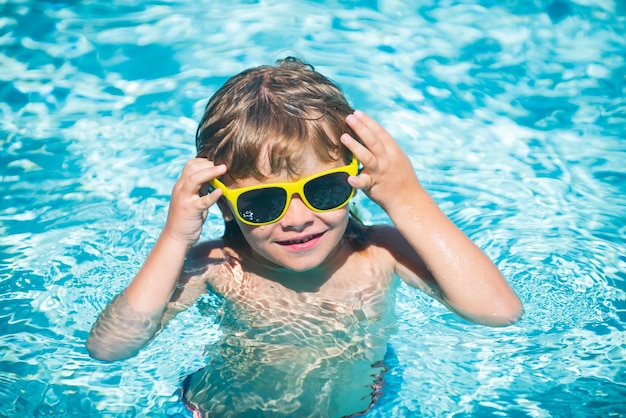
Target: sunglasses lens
[[263, 205], [328, 192]]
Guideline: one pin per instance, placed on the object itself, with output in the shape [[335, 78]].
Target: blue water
[[513, 113]]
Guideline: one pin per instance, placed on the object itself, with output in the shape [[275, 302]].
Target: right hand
[[188, 209]]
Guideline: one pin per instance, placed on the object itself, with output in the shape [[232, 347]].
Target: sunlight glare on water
[[513, 114]]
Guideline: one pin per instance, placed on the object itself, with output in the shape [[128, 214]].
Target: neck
[[298, 281]]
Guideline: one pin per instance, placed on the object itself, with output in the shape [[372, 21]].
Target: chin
[[299, 266]]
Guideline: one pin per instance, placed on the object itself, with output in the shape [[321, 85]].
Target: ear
[[227, 214]]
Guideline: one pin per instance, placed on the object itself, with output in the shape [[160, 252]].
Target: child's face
[[302, 239]]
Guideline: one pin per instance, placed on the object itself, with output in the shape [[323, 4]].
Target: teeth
[[299, 241]]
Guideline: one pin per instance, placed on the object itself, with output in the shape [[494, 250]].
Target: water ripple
[[513, 115]]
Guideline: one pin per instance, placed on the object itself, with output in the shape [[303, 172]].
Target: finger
[[370, 123], [196, 165], [210, 199], [362, 182], [370, 162], [367, 131], [198, 175], [356, 147]]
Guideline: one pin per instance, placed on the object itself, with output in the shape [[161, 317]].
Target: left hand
[[388, 177]]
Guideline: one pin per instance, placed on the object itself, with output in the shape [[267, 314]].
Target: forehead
[[294, 157], [307, 164]]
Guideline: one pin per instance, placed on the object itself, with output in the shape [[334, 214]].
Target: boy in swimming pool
[[307, 288]]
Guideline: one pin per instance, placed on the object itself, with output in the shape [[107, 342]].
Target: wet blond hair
[[278, 113]]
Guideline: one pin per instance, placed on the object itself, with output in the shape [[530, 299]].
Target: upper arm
[[188, 290], [201, 267], [409, 266], [489, 303]]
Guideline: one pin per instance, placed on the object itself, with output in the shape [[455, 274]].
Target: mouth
[[301, 240]]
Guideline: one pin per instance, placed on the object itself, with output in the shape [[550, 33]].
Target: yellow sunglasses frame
[[296, 187]]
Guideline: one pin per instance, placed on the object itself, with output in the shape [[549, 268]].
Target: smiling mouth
[[300, 240]]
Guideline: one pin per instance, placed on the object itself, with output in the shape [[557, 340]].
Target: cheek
[[255, 234], [337, 217]]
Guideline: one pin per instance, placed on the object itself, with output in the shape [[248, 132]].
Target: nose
[[298, 215]]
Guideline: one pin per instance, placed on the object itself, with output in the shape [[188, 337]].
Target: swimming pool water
[[513, 114]]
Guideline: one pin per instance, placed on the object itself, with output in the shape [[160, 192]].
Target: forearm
[[470, 283], [152, 287], [133, 317], [120, 331]]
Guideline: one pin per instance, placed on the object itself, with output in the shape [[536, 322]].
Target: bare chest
[[359, 284]]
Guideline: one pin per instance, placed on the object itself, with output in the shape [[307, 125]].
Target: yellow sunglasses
[[267, 203]]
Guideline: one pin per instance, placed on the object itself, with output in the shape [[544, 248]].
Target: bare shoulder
[[387, 237], [202, 265], [212, 263], [207, 252]]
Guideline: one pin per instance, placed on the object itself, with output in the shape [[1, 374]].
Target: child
[[307, 288]]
